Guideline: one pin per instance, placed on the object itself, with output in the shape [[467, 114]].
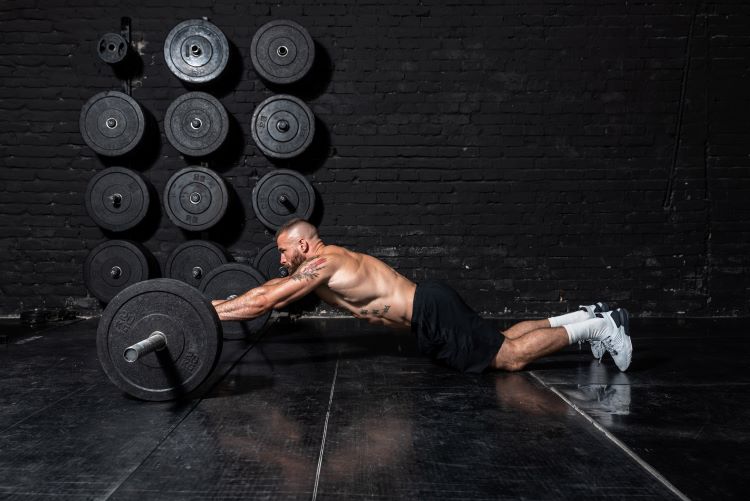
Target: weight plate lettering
[[283, 126], [117, 199], [187, 321], [112, 48], [282, 51], [234, 279], [268, 262], [282, 195], [112, 266], [191, 261], [196, 51], [112, 123], [195, 198], [196, 124]]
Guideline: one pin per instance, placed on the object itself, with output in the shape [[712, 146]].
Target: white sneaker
[[596, 346], [616, 338]]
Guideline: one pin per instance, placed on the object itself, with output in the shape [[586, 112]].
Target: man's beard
[[297, 259]]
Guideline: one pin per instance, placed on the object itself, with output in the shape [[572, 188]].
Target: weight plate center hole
[[111, 123], [116, 200], [196, 50], [115, 272], [195, 198], [282, 126], [282, 51], [196, 123]]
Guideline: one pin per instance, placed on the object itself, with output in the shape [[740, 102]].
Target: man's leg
[[583, 313], [521, 328], [610, 328], [516, 353]]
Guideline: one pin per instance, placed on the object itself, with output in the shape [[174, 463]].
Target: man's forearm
[[249, 305]]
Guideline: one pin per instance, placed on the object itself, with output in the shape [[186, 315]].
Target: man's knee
[[508, 358]]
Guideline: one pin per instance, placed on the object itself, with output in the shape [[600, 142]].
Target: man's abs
[[369, 289]]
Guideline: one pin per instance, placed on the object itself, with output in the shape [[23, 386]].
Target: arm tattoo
[[310, 270]]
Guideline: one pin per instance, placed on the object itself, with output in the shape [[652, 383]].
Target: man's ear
[[303, 245]]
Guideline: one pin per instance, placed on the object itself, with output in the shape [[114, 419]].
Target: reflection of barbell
[[160, 339]]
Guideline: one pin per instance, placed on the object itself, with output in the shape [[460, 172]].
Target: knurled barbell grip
[[156, 341]]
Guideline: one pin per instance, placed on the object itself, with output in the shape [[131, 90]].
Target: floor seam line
[[325, 431], [621, 445], [151, 452], [48, 406]]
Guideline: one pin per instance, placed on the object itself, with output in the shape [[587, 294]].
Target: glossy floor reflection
[[337, 409]]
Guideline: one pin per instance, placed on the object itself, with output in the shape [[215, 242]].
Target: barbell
[[160, 339]]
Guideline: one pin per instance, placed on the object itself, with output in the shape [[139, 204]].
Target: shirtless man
[[447, 330]]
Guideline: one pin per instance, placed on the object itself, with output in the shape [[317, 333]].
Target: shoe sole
[[623, 319]]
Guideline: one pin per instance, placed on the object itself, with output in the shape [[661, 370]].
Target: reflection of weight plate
[[283, 126], [268, 262], [112, 48], [234, 279], [196, 124], [282, 51], [196, 51], [117, 199], [193, 260], [195, 198], [113, 266], [282, 195], [178, 312], [111, 123]]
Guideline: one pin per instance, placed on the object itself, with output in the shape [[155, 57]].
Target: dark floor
[[337, 409]]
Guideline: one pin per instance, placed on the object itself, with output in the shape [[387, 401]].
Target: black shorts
[[449, 331]]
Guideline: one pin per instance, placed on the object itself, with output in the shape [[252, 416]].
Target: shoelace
[[609, 344]]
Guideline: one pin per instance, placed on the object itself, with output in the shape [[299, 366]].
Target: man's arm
[[278, 292]]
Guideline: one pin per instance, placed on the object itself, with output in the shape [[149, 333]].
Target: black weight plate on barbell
[[196, 124], [283, 126], [191, 261], [114, 265], [234, 279], [282, 51], [112, 123], [112, 48], [282, 195], [185, 317], [195, 198], [117, 199], [196, 51], [268, 262]]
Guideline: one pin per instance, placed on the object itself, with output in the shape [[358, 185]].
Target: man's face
[[291, 255]]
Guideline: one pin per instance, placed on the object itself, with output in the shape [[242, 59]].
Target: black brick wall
[[535, 154]]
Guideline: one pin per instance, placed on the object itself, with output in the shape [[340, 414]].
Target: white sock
[[592, 328], [569, 318]]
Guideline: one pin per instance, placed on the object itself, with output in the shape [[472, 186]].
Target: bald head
[[297, 240], [298, 228]]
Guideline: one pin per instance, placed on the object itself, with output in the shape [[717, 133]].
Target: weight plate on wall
[[282, 195], [268, 262], [234, 279], [185, 318], [283, 126], [282, 51], [196, 124], [195, 198], [196, 51], [112, 123], [114, 265], [112, 48], [193, 260], [117, 199]]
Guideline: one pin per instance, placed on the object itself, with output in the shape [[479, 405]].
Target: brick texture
[[534, 154]]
